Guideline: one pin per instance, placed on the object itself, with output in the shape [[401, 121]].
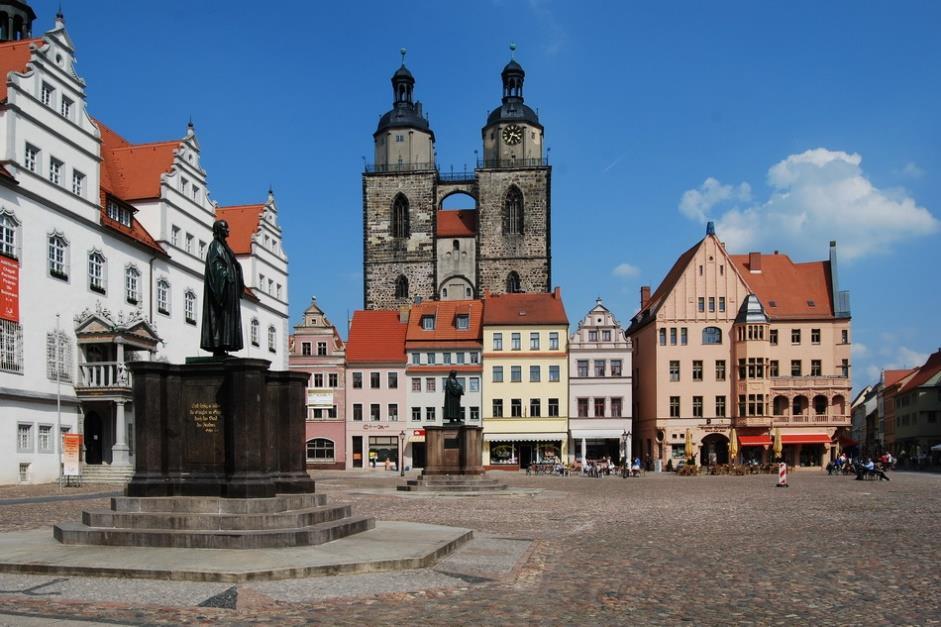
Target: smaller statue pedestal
[[454, 450]]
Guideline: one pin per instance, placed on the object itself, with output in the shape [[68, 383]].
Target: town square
[[624, 314]]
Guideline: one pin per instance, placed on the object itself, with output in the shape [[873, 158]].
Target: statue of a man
[[222, 292], [453, 391]]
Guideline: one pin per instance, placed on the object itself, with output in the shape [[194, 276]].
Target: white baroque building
[[101, 248]]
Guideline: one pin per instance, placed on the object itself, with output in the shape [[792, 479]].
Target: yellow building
[[525, 387]]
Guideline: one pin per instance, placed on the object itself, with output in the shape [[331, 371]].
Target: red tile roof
[[460, 223], [243, 222], [376, 336], [924, 374], [894, 376], [136, 231], [6, 173], [14, 56], [132, 171], [525, 309], [666, 285], [789, 286], [445, 313]]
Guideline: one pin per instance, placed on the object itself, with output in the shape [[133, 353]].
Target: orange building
[[753, 343]]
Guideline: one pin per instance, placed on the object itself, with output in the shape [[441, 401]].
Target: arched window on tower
[[513, 283], [400, 216], [513, 212], [401, 287]]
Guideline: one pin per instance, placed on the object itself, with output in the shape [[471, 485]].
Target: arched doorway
[[93, 438], [714, 450]]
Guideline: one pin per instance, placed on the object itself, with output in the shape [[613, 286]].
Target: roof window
[[811, 303], [772, 303], [462, 321], [428, 323]]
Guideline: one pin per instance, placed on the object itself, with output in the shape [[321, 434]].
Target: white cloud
[[859, 350], [912, 170], [816, 196], [906, 358], [625, 271]]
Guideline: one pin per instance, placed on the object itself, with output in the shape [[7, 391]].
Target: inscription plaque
[[206, 416], [451, 443]]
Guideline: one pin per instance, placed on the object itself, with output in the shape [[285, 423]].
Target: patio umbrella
[[733, 447], [689, 444], [936, 447], [778, 447]]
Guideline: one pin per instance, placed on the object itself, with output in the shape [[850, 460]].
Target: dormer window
[[119, 214], [428, 323], [462, 321]]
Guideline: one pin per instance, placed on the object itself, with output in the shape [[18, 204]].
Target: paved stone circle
[[659, 549]]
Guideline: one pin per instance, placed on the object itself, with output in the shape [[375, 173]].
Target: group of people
[[862, 467], [606, 466]]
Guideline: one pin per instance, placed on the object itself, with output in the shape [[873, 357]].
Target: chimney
[[644, 296], [754, 263], [403, 313], [557, 293]]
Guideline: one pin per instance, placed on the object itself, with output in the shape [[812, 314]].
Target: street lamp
[[626, 440], [401, 453]]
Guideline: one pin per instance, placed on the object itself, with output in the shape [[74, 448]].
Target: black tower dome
[[16, 20], [513, 109], [405, 113]]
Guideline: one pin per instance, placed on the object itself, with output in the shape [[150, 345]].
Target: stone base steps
[[103, 473], [452, 483], [287, 520]]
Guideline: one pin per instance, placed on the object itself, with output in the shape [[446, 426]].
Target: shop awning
[[525, 437], [806, 438], [416, 438], [754, 440], [591, 434]]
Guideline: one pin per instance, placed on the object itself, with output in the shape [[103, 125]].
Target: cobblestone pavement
[[659, 549]]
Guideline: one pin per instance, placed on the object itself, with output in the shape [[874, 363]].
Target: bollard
[[782, 476]]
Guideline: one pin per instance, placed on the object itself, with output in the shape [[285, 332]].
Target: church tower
[[399, 203], [514, 191], [16, 20]]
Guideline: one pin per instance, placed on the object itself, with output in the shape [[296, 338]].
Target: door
[[418, 454], [93, 437], [527, 454], [357, 451]]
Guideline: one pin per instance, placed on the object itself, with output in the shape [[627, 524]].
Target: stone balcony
[[811, 420], [103, 378], [819, 384]]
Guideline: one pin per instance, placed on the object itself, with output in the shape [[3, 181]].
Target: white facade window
[[24, 438], [189, 243], [272, 339], [97, 272], [196, 193], [278, 291], [175, 235], [65, 107], [46, 93], [55, 170], [132, 285], [58, 358], [31, 158], [119, 214], [78, 183], [253, 334], [163, 296], [184, 185], [44, 438], [11, 346], [189, 306], [271, 286], [58, 256], [8, 235], [202, 249]]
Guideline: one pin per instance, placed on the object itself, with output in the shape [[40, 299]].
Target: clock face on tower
[[513, 134]]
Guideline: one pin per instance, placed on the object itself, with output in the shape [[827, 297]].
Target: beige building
[[750, 342]]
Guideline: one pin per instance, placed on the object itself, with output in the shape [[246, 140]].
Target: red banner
[[9, 289]]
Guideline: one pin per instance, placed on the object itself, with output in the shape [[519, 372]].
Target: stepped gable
[[376, 336], [459, 223], [14, 56], [790, 286], [243, 223], [525, 309]]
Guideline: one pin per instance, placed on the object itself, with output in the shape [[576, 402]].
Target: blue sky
[[789, 124]]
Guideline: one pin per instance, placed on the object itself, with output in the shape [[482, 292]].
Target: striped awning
[[525, 437]]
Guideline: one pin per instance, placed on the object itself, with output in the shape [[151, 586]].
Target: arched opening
[[321, 451], [456, 246], [820, 405], [4, 25], [513, 283], [513, 212], [401, 287], [400, 225], [712, 335], [458, 201], [93, 438], [456, 288], [17, 28], [839, 405], [714, 450], [799, 406], [779, 405]]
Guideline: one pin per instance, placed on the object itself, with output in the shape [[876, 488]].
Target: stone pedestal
[[454, 450], [216, 427]]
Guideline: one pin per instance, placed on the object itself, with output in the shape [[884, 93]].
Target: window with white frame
[[46, 92], [175, 235], [196, 193], [8, 234], [78, 183], [253, 331], [272, 339], [202, 249], [58, 256], [31, 158], [132, 285], [119, 213], [58, 356], [44, 439], [24, 438], [189, 243], [321, 451], [55, 171], [97, 272], [163, 297], [184, 184], [65, 107], [189, 306], [11, 346]]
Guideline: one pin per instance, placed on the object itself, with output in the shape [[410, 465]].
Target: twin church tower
[[412, 248]]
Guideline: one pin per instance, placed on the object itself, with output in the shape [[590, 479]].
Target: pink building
[[756, 343], [375, 387], [316, 348]]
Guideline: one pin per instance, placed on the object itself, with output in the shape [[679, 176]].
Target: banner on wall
[[71, 445], [9, 289]]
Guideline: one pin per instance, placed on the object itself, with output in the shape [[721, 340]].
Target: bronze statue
[[222, 292], [452, 398]]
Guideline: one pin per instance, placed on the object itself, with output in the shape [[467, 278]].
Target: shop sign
[[419, 432], [319, 397], [9, 289], [71, 444], [368, 427]]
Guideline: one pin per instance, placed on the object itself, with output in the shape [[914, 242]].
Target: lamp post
[[626, 440], [401, 453]]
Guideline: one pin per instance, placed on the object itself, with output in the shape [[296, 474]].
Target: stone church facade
[[413, 248]]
